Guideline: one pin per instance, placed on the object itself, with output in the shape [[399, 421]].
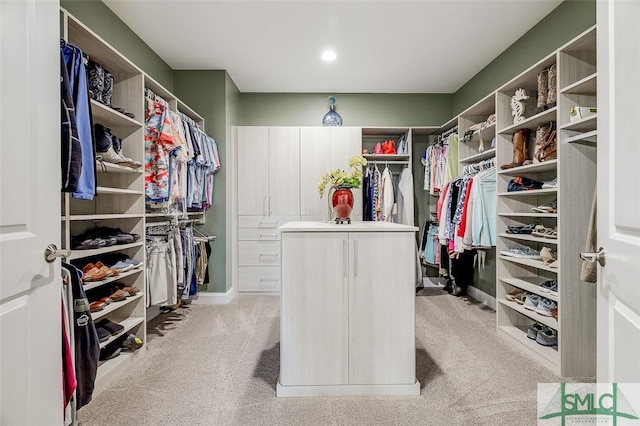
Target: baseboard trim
[[213, 298], [482, 297], [347, 390]]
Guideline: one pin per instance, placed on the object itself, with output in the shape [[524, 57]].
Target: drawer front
[[265, 222], [259, 253], [259, 278], [258, 234]]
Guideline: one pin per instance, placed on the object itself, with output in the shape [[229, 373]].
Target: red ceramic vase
[[342, 202]]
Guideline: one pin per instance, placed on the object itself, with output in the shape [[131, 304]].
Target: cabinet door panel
[[284, 171], [313, 332], [253, 170], [345, 143], [315, 161], [382, 308]]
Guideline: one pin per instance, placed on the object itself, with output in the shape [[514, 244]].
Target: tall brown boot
[[543, 89], [520, 140], [553, 85]]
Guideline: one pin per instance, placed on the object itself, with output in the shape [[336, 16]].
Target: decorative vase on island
[[342, 202]]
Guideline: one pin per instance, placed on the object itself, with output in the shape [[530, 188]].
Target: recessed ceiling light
[[329, 56]]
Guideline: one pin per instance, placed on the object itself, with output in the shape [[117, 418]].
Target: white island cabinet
[[347, 309]]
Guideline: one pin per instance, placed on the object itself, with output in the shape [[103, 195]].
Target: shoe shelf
[[532, 122], [588, 123], [489, 153], [533, 263], [109, 117], [586, 138], [548, 321], [527, 214], [105, 167], [114, 306], [549, 353], [110, 190], [543, 166], [527, 237], [81, 254], [528, 193], [585, 86], [530, 284], [95, 284], [80, 217], [128, 325]]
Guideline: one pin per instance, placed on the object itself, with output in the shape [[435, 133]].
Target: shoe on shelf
[[97, 306], [131, 343], [118, 295], [544, 232], [524, 229], [532, 332], [132, 290], [547, 256], [109, 352], [110, 272], [520, 298], [133, 263], [523, 252], [554, 312], [547, 337], [549, 286], [544, 307], [550, 207], [512, 295], [110, 326], [103, 334], [550, 184], [520, 183], [122, 266], [531, 301], [92, 273]]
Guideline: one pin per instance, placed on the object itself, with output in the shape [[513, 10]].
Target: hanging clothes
[[77, 74], [405, 197], [451, 168], [86, 343], [387, 196], [71, 150]]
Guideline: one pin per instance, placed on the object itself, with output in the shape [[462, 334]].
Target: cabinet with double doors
[[347, 320], [323, 149], [268, 170], [559, 210]]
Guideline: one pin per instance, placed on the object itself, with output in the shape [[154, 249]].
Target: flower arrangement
[[339, 178]]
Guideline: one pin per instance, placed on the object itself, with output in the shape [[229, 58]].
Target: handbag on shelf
[[546, 146]]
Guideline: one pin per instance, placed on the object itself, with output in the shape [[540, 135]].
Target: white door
[[313, 336], [30, 288], [618, 201], [381, 308], [345, 143], [284, 171], [253, 171], [315, 161]]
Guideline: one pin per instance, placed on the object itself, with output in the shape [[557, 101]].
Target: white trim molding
[[213, 298], [482, 297]]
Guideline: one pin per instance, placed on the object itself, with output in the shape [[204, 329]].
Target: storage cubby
[[575, 170]]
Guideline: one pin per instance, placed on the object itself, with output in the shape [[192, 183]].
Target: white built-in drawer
[[259, 278], [258, 234], [259, 253], [266, 222]]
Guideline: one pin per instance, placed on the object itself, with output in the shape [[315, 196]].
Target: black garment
[[207, 247], [367, 210], [462, 271], [87, 346], [71, 150]]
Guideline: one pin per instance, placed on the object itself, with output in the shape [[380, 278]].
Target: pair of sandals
[[524, 229], [97, 272], [548, 259], [544, 232]]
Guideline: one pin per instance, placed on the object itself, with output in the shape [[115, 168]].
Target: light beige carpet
[[218, 365]]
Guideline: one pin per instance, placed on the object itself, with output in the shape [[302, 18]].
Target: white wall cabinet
[[347, 319], [323, 149]]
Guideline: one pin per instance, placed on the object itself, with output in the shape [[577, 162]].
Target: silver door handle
[[598, 256], [51, 252]]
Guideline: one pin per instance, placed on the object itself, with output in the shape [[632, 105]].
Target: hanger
[[203, 235]]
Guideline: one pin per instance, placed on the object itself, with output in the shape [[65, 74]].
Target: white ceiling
[[389, 46]]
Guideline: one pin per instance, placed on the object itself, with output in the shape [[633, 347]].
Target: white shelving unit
[[575, 170], [120, 200]]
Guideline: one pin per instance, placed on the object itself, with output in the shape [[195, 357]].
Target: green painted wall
[[565, 22], [97, 16], [356, 109], [205, 92]]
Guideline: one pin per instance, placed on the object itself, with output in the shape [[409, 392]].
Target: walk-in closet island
[[347, 309]]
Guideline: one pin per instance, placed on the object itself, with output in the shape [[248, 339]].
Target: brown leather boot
[[520, 140]]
